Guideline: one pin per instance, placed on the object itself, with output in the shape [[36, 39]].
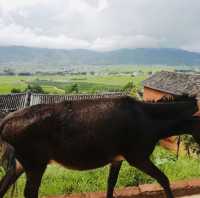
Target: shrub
[[15, 90]]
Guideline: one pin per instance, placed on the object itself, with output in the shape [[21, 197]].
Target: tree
[[35, 88], [74, 88], [129, 86], [132, 89]]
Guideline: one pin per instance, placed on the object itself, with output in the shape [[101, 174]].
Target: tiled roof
[[13, 102], [49, 99], [174, 83]]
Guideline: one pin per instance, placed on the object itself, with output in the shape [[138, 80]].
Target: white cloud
[[17, 35], [116, 42], [15, 4], [100, 24], [195, 47]]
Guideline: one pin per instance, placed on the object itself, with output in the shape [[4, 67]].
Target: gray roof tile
[[174, 83]]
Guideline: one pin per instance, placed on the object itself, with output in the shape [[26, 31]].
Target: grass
[[53, 89], [58, 180]]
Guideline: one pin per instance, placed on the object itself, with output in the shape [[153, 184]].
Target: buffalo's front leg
[[112, 178], [33, 181], [149, 168]]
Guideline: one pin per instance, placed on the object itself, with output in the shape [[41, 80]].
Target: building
[[170, 83]]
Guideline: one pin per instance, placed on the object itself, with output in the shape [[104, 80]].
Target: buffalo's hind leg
[[112, 178], [149, 168], [33, 181], [11, 176]]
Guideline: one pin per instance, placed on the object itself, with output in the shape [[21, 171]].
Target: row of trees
[[31, 87]]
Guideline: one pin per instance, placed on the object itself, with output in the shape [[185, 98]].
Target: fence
[[12, 102]]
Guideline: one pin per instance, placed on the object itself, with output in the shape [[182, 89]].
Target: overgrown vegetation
[[191, 146]]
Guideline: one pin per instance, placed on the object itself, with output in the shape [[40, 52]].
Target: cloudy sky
[[101, 24]]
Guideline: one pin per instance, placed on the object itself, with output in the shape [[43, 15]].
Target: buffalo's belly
[[81, 165], [85, 159]]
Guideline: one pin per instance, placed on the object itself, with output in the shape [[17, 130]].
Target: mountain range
[[29, 56]]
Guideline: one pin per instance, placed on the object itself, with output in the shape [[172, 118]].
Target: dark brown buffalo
[[89, 134]]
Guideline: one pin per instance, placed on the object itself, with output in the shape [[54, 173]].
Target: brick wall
[[152, 94]]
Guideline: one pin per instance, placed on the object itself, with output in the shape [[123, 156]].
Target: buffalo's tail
[[7, 158]]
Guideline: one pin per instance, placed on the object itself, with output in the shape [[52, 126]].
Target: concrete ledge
[[180, 188]]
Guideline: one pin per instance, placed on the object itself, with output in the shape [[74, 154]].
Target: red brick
[[127, 192], [180, 188], [150, 188], [151, 191]]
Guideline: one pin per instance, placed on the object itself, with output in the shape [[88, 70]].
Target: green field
[[59, 181], [110, 78], [58, 84]]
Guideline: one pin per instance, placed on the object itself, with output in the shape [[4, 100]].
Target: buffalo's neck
[[177, 127], [169, 110]]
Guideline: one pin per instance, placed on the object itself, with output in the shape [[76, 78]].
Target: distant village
[[85, 71], [11, 72]]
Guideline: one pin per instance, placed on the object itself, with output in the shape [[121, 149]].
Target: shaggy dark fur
[[88, 134]]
